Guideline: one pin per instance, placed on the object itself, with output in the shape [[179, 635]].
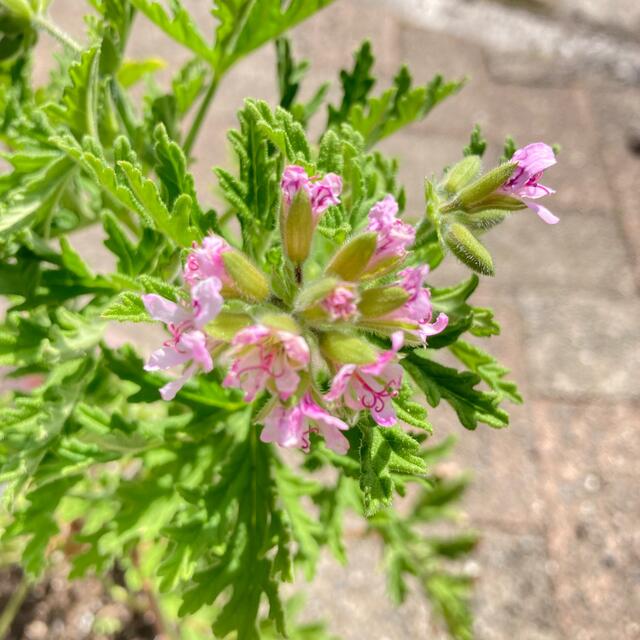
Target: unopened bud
[[483, 220], [353, 258], [461, 174], [297, 231], [486, 185], [227, 324], [246, 277], [347, 349], [468, 249], [281, 322], [379, 301], [382, 268]]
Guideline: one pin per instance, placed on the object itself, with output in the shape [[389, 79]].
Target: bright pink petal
[[340, 382]]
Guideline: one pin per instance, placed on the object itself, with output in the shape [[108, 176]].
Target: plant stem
[[45, 24], [13, 606], [200, 116]]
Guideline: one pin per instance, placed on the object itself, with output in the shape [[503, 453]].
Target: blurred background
[[556, 496]]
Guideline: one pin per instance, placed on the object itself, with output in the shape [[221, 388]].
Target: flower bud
[[468, 249], [280, 322], [246, 277], [353, 258], [486, 185], [461, 174], [347, 349], [379, 301], [227, 324], [483, 220], [298, 226]]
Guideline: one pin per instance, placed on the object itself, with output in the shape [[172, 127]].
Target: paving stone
[[592, 513], [344, 596], [581, 346], [585, 252], [617, 118], [515, 597]]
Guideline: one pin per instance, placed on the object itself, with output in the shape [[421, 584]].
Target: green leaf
[[410, 412], [127, 307], [356, 85], [384, 452], [477, 144], [179, 26], [458, 389], [72, 261], [245, 25], [79, 107], [399, 106], [188, 84], [132, 71], [488, 368], [451, 598], [290, 73]]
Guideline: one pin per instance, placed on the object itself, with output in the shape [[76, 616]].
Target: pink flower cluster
[[280, 357]]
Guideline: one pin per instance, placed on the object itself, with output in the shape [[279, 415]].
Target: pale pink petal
[[165, 358], [195, 344], [169, 391], [284, 427], [206, 300], [295, 347], [543, 213], [166, 311], [287, 383], [385, 415]]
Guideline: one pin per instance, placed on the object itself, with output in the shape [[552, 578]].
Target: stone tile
[[580, 346], [343, 596], [592, 514], [585, 252], [617, 117], [514, 597]]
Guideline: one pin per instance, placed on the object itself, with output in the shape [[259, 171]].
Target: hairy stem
[[52, 29], [200, 116]]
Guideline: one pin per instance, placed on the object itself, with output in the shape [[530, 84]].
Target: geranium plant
[[302, 339]]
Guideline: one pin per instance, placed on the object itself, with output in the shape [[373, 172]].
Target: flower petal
[[543, 213], [166, 311], [207, 301]]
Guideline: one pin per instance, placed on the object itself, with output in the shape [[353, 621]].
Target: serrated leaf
[[127, 307], [458, 389], [133, 71], [178, 25], [488, 368]]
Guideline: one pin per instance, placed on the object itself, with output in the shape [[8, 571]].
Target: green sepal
[[486, 185], [352, 259], [461, 174], [379, 301], [468, 249], [247, 278], [297, 231], [347, 349]]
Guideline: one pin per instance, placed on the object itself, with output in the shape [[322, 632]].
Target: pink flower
[[266, 358], [341, 303], [291, 427], [418, 307], [371, 387], [205, 261], [322, 193], [524, 183], [188, 344], [394, 236]]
